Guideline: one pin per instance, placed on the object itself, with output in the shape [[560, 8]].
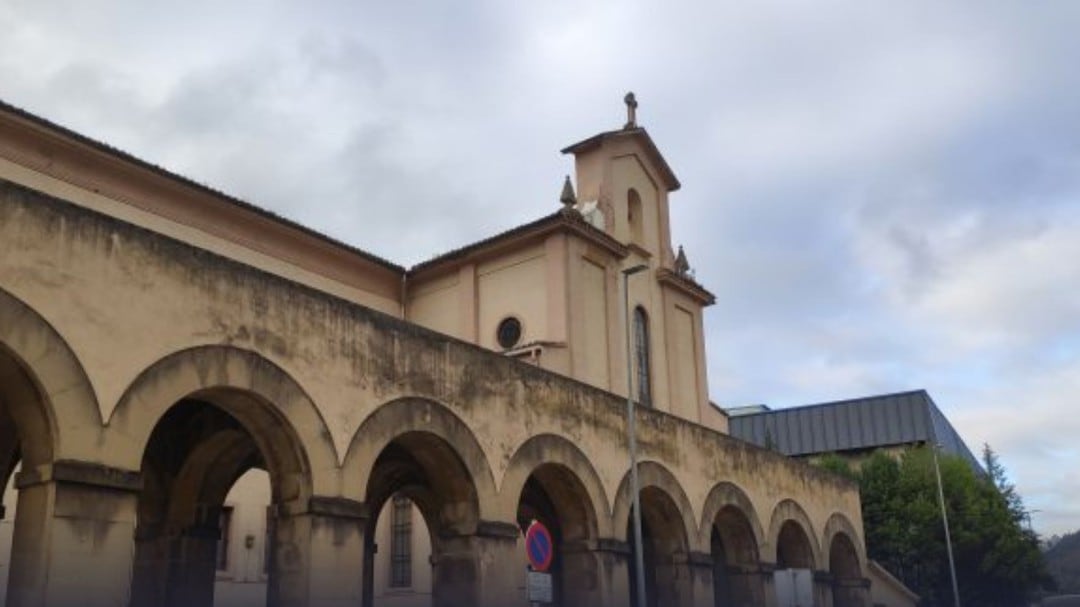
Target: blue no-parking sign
[[539, 548]]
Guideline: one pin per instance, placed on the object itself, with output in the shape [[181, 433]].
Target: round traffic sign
[[538, 546]]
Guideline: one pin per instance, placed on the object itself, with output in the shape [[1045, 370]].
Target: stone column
[[768, 584], [594, 573], [318, 553], [685, 581], [823, 582], [748, 583], [851, 592], [613, 558], [73, 535], [480, 570], [699, 567], [177, 567], [193, 565]]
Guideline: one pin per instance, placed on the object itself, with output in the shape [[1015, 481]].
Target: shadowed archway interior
[[428, 471], [793, 549], [737, 580], [847, 577], [556, 497], [197, 451], [664, 550]]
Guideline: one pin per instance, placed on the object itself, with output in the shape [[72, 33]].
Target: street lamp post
[[945, 521], [639, 559]]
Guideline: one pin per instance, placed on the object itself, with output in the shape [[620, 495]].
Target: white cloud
[[882, 197]]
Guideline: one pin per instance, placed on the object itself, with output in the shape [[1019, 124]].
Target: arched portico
[[419, 449], [47, 408], [792, 541], [730, 526], [200, 418], [556, 484], [794, 549], [847, 563], [673, 571]]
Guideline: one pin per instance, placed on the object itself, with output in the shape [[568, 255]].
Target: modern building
[[209, 404], [854, 427]]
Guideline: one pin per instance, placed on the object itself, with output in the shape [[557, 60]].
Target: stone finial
[[568, 197], [682, 265], [631, 111]]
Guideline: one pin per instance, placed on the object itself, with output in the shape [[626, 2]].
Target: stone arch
[[668, 530], [419, 449], [655, 475], [416, 415], [730, 527], [192, 423], [728, 495], [286, 425], [846, 562], [48, 409], [786, 516], [838, 523], [550, 480], [48, 393], [576, 469]]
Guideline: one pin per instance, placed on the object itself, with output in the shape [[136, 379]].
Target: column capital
[[323, 506], [823, 576], [497, 529], [202, 532], [613, 546], [485, 529], [858, 582], [695, 558], [81, 473]]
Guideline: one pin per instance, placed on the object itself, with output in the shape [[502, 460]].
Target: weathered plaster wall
[[124, 299]]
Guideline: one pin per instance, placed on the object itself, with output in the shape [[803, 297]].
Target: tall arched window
[[641, 356], [634, 217]]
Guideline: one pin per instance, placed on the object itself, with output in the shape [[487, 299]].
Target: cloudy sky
[[883, 196]]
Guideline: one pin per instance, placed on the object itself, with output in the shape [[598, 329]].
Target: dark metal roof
[[857, 424]]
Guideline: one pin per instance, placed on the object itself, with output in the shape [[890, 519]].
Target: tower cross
[[631, 111]]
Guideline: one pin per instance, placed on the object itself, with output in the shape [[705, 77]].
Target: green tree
[[998, 562], [837, 465]]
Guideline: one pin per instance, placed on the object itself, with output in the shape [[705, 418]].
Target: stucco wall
[[887, 591], [125, 299], [418, 593]]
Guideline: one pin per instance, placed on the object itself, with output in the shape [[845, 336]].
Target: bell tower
[[623, 184]]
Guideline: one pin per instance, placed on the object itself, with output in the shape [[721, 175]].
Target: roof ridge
[[188, 181], [845, 401]]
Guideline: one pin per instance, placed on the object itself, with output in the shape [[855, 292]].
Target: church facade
[[161, 342]]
